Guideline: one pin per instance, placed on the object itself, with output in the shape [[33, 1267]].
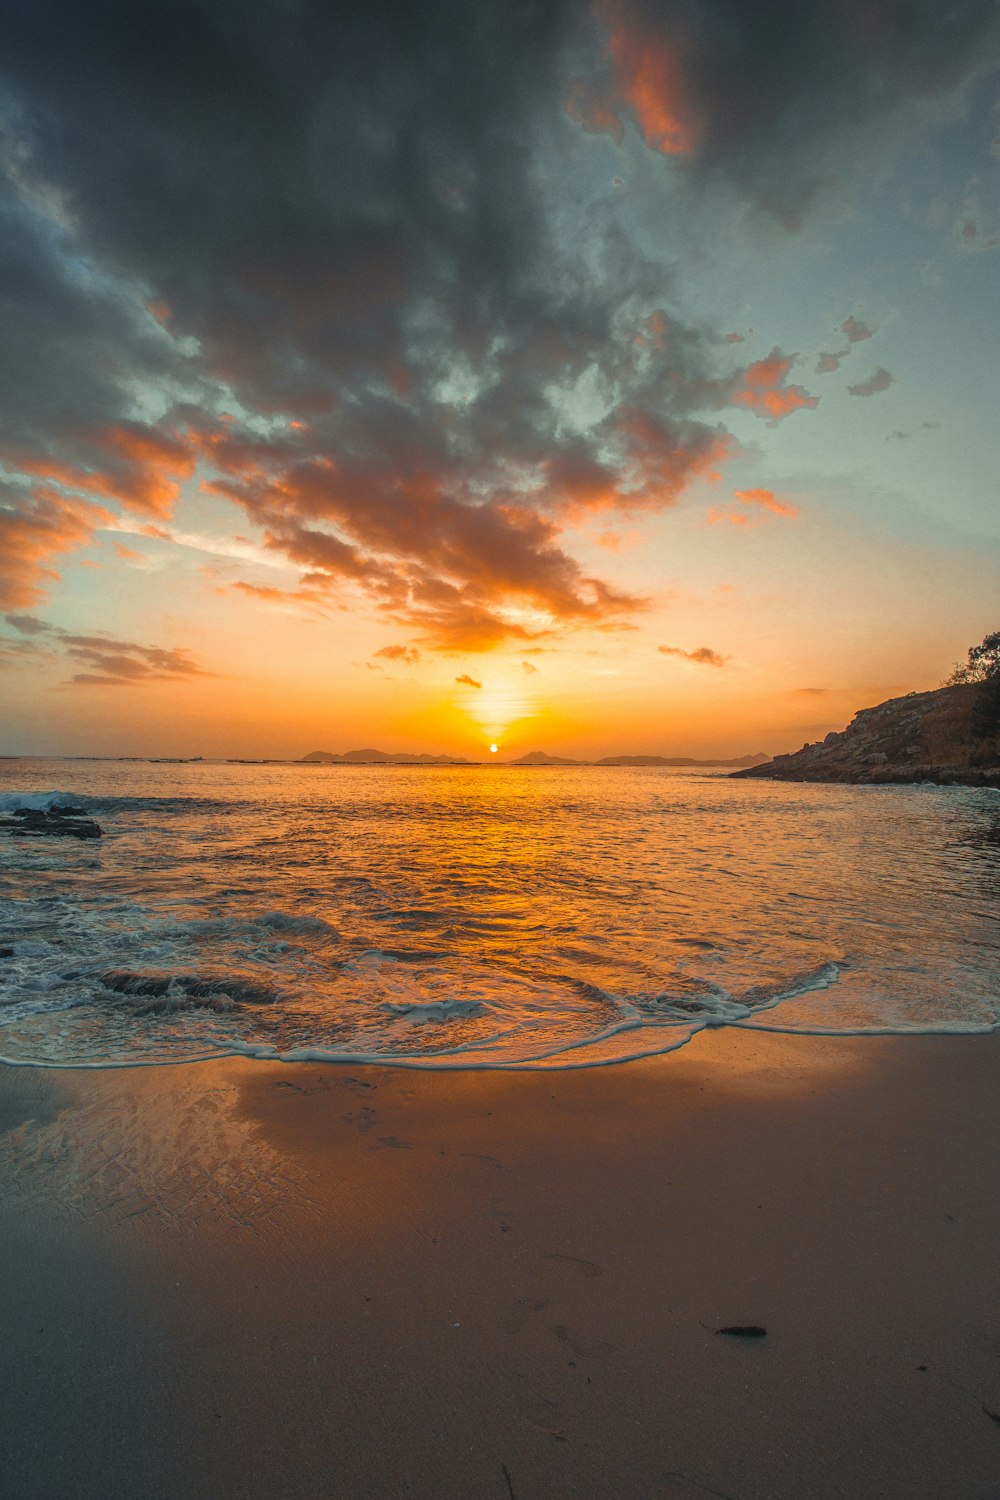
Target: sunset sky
[[596, 378]]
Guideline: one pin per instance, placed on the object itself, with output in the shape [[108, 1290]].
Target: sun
[[493, 749]]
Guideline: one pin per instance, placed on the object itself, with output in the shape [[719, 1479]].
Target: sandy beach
[[248, 1279]]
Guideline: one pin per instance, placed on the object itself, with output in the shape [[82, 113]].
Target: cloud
[[826, 363], [767, 500], [649, 79], [735, 338], [880, 380], [526, 666], [856, 330], [107, 660], [744, 94], [329, 261], [764, 391], [704, 656], [812, 692], [28, 624], [35, 526], [466, 681], [408, 655]]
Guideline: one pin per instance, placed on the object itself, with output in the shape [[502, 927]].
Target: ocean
[[483, 916]]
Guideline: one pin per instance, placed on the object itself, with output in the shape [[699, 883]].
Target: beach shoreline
[[261, 1279]]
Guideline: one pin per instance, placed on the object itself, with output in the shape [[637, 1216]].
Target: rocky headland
[[921, 737]]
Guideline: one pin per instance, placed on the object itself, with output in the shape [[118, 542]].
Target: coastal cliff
[[921, 737]]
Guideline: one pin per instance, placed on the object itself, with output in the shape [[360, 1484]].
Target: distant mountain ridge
[[382, 757], [532, 758]]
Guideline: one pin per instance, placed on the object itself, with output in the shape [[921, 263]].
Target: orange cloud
[[466, 681], [469, 573], [409, 655], [666, 455], [763, 389], [768, 500], [649, 79], [704, 656], [34, 528], [133, 463]]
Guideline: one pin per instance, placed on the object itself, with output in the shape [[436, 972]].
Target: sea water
[[483, 916]]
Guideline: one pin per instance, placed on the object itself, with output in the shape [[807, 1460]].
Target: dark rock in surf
[[33, 822]]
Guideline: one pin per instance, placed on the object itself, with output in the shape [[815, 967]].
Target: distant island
[[533, 758], [382, 758], [922, 737]]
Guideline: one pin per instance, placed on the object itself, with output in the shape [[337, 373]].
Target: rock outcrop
[[922, 737], [33, 822]]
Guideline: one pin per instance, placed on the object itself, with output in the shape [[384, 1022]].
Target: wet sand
[[252, 1280]]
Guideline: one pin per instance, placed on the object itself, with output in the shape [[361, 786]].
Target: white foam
[[433, 1010]]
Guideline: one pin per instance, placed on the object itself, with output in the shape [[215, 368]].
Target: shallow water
[[484, 916]]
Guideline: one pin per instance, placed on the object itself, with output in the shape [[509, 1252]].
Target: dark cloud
[[827, 363], [879, 380], [856, 330], [106, 660], [466, 681], [323, 253], [704, 656], [28, 624], [746, 92], [812, 692]]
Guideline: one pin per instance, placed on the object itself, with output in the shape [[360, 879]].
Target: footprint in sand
[[576, 1263], [390, 1143], [600, 1349], [536, 1408], [523, 1311]]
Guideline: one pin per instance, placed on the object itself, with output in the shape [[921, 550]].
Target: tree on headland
[[983, 661], [983, 668]]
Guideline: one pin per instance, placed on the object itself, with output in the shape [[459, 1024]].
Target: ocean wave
[[46, 801], [153, 994], [39, 801]]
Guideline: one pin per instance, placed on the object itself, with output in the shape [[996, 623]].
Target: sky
[[613, 377]]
